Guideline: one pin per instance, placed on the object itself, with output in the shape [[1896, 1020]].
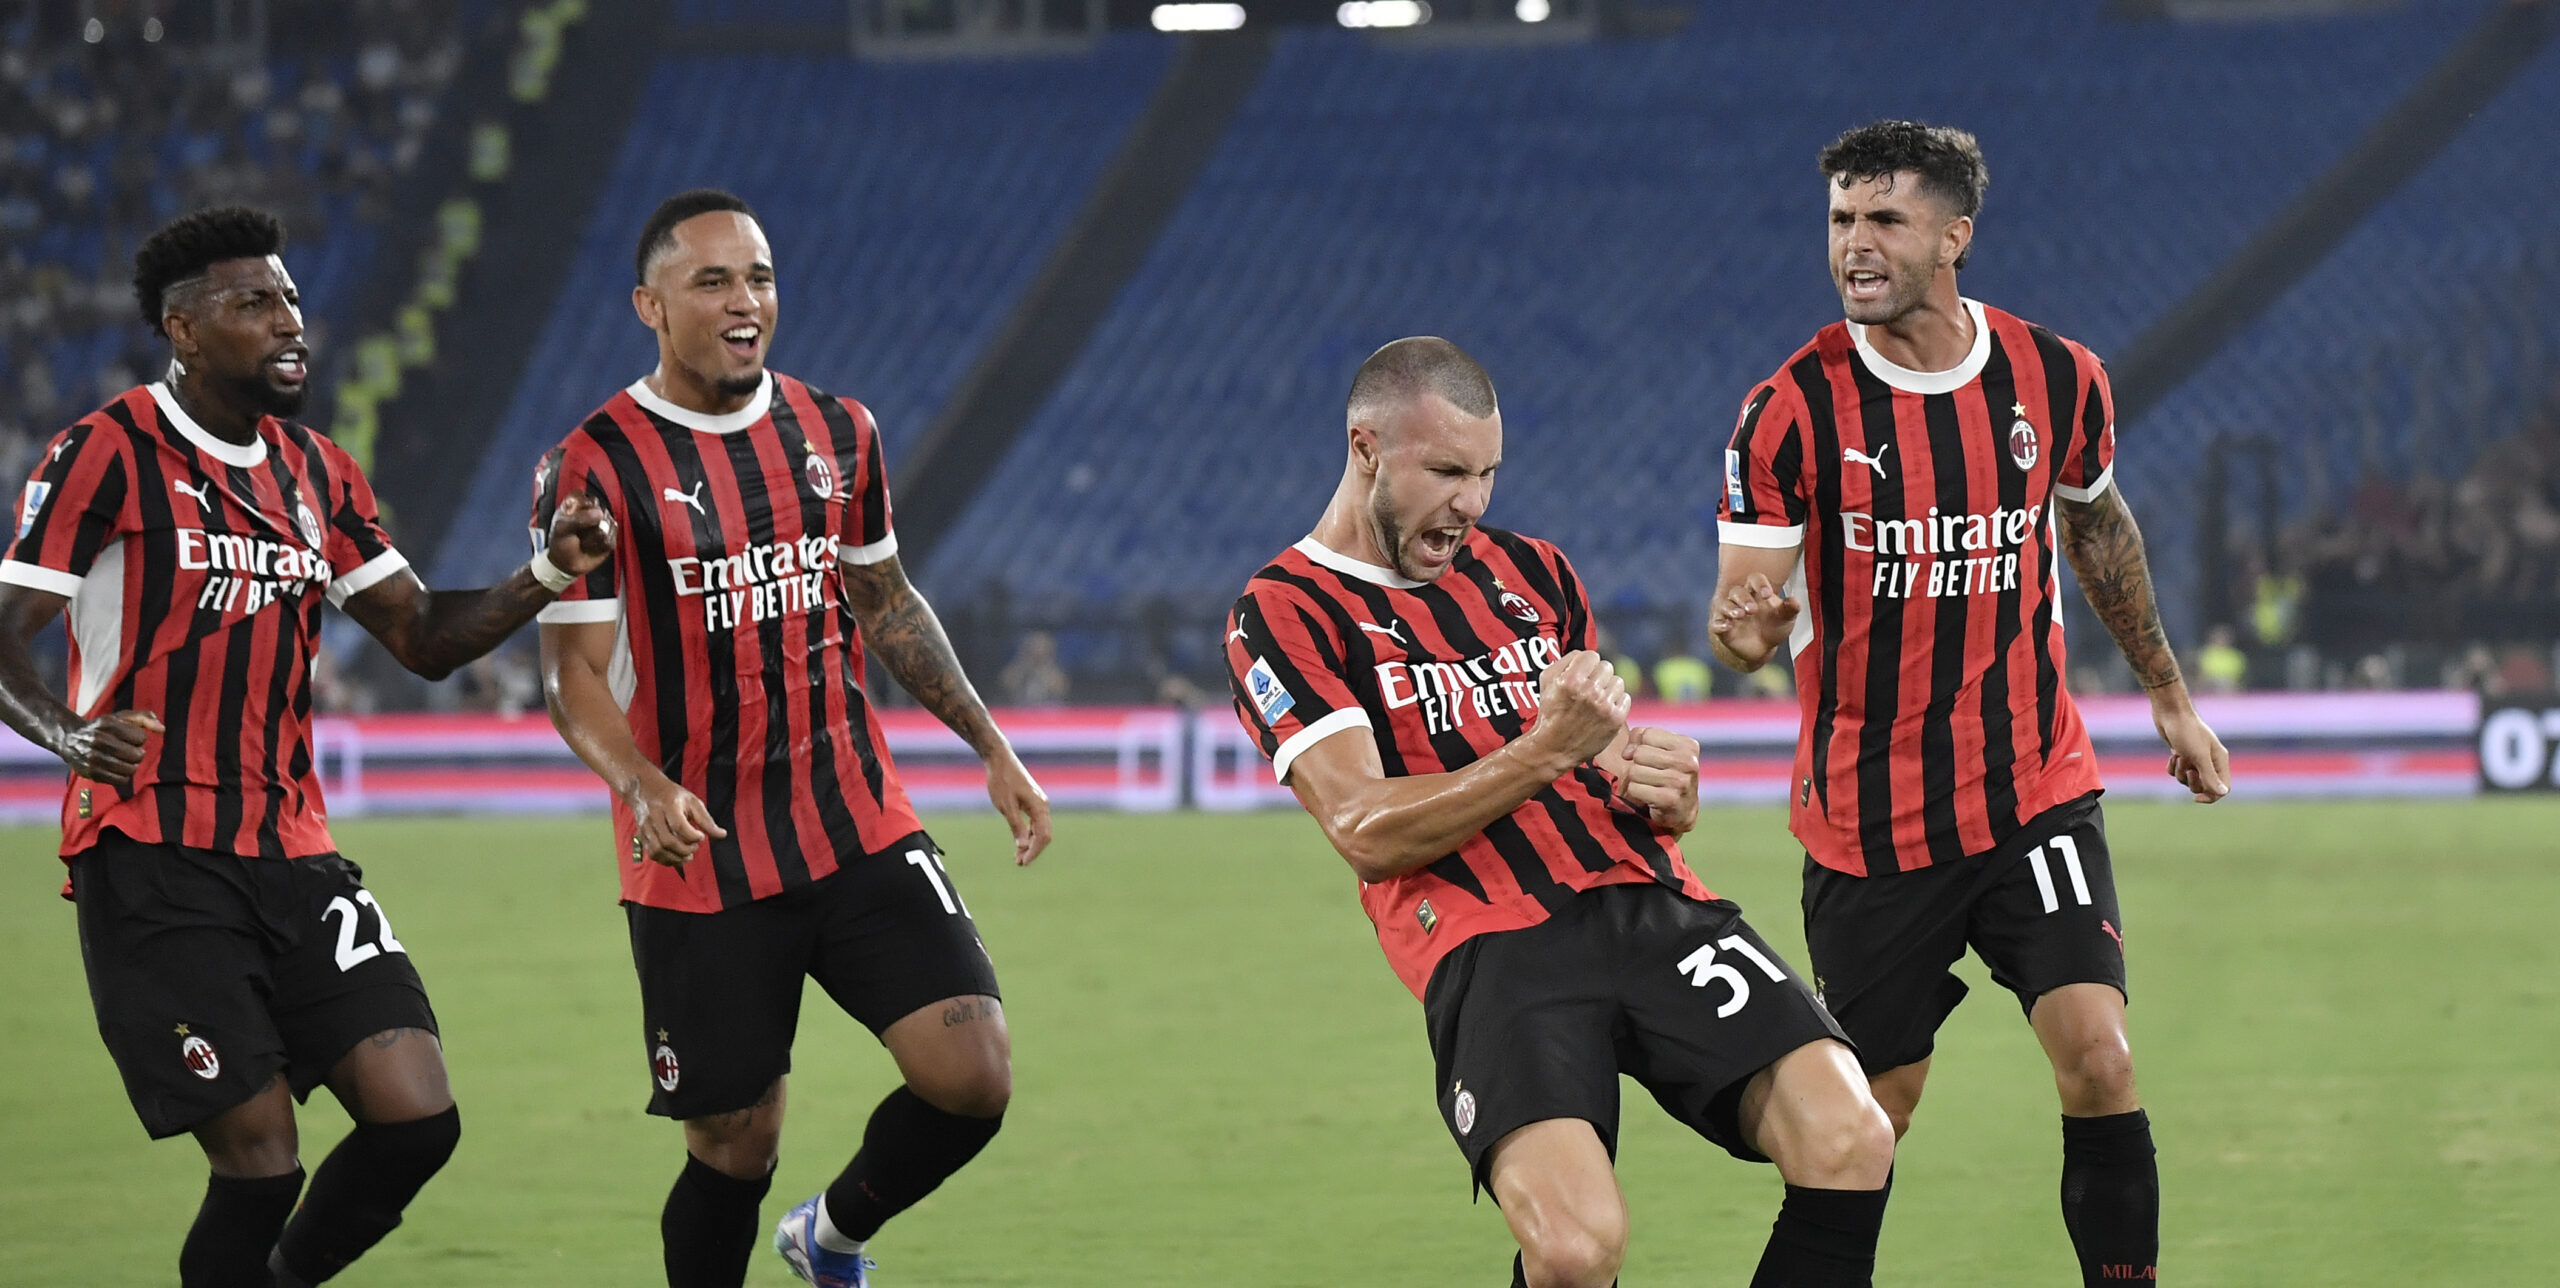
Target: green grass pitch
[[2346, 1020]]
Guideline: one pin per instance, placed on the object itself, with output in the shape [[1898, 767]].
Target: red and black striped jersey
[[195, 569], [1929, 659], [1441, 674], [735, 655]]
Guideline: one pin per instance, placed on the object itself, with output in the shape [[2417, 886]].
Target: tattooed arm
[[433, 632], [2105, 549], [899, 628]]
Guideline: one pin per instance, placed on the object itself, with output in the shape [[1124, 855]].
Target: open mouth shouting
[[289, 366], [1864, 285], [742, 340], [1435, 547]]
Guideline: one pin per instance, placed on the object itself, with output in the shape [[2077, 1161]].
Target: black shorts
[[212, 972], [1679, 994], [885, 934], [2040, 910]]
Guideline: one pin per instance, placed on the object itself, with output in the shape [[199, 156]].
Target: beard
[[1390, 532], [739, 386], [1910, 290], [259, 392]]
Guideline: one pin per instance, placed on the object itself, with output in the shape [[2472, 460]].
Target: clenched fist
[[1582, 704], [109, 748], [581, 535], [1657, 772]]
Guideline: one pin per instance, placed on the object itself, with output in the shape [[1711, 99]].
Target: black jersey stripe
[[2061, 389], [1951, 460], [778, 768], [1821, 435], [826, 771], [1999, 733], [1882, 683]]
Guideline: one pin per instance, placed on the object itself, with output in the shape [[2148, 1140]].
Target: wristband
[[548, 573]]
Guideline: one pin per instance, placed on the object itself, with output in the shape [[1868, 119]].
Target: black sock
[[909, 1148], [2111, 1197], [1823, 1239], [235, 1229], [710, 1226], [358, 1194]]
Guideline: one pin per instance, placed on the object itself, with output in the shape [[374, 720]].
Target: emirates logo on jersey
[[822, 476]]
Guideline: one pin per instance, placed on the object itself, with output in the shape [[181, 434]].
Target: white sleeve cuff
[[1346, 718], [52, 581], [366, 576], [873, 553], [2085, 495], [579, 612], [1759, 535]]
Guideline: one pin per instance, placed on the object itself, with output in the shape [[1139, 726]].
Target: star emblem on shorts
[[662, 1035]]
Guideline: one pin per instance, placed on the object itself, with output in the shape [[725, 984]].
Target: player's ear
[[1365, 449], [652, 310], [1959, 241]]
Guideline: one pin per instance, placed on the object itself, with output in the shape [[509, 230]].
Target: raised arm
[[1385, 827], [576, 659], [2104, 546], [899, 628], [434, 632], [107, 749]]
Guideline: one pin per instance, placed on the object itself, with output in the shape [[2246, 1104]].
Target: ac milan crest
[[202, 1060], [1519, 606], [1463, 1112], [310, 524], [2022, 443], [664, 1065], [822, 476]]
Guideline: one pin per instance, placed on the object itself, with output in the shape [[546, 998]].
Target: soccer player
[[1431, 691], [1901, 477], [235, 960], [712, 675]]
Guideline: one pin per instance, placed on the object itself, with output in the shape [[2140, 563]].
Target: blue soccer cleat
[[796, 1238]]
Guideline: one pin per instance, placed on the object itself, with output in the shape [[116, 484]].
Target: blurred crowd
[[111, 124]]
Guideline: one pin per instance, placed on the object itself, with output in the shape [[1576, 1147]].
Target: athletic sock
[[908, 1149], [358, 1194], [832, 1237], [710, 1226], [1823, 1239], [2111, 1197], [235, 1229]]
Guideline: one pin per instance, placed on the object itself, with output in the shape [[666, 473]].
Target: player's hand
[[1657, 772], [581, 534], [1025, 807], [1582, 704], [1753, 619], [109, 748], [672, 822], [2196, 757]]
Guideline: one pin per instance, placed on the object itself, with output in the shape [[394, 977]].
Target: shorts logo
[[664, 1065], [200, 1057], [1270, 697], [822, 476], [31, 503], [2022, 438], [1463, 1110], [2112, 933]]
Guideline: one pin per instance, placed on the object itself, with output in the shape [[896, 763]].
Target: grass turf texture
[[2344, 1020]]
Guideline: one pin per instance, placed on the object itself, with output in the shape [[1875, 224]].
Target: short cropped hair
[[1948, 161], [659, 234], [190, 245], [1404, 369]]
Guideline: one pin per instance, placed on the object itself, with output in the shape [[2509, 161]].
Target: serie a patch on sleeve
[[32, 504], [1270, 696]]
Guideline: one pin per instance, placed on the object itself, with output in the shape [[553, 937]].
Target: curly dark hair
[[659, 234], [1948, 161], [182, 252]]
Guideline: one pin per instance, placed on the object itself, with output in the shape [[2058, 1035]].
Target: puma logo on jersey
[[1393, 631], [692, 498], [1234, 635], [56, 453], [201, 492], [1875, 462]]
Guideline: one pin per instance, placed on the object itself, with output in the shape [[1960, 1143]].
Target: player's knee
[[1849, 1148], [982, 1090], [421, 1147], [2096, 1076], [1580, 1253]]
